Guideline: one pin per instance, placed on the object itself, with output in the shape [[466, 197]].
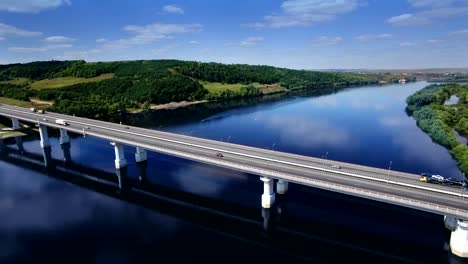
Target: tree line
[[438, 120]]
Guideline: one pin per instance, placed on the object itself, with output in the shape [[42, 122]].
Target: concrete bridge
[[388, 186]]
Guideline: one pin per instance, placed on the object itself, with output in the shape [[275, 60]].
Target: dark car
[[453, 181], [219, 155]]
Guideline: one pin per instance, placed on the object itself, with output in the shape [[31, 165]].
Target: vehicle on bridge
[[438, 179], [427, 177], [61, 122], [219, 155]]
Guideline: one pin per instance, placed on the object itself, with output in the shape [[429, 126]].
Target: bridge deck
[[378, 184]]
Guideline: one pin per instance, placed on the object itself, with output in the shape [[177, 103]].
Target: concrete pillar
[[140, 154], [44, 136], [450, 223], [64, 138], [120, 160], [268, 196], [459, 240], [282, 187], [15, 123]]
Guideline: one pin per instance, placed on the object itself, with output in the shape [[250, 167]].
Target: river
[[206, 214]]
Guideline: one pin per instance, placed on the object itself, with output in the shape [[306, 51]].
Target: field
[[216, 87], [18, 81], [67, 81], [9, 101]]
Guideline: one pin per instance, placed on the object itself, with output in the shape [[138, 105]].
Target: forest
[[439, 120], [138, 84]]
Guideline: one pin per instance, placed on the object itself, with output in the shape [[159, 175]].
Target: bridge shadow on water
[[274, 234]]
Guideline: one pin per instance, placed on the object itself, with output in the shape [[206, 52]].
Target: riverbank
[[439, 119]]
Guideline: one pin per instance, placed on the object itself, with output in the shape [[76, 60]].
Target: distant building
[[402, 81]]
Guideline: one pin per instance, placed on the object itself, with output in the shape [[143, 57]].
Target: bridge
[[398, 188]]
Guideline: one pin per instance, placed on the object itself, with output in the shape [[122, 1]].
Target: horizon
[[293, 34]]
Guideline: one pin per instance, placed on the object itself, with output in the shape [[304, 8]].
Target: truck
[[61, 122]]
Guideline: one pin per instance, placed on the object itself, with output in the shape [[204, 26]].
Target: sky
[[297, 34]]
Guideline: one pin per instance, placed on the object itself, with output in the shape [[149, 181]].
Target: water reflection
[[47, 154], [19, 144], [66, 152]]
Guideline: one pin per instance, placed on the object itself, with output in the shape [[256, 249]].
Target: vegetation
[[60, 82], [106, 90], [439, 120], [9, 101]]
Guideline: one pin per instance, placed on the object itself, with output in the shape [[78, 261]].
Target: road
[[373, 183]]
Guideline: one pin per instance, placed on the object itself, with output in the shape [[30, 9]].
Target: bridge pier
[[120, 160], [459, 239], [268, 196], [282, 187], [64, 138], [140, 154], [15, 123], [45, 143], [450, 223]]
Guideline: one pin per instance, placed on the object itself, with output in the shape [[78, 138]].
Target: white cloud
[[306, 12], [7, 30], [59, 39], [256, 25], [88, 55], [194, 42], [31, 6], [39, 49], [428, 16], [370, 37], [459, 33], [151, 33], [324, 132], [163, 51], [173, 9], [408, 20], [407, 44], [326, 41], [434, 3], [101, 40], [433, 41], [251, 41]]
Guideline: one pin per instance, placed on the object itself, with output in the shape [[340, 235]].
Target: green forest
[[124, 85], [438, 120]]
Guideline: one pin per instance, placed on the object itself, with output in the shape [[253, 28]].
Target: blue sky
[[299, 34]]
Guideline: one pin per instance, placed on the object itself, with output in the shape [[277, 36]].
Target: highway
[[372, 183]]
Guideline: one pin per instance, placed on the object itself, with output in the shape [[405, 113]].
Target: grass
[[9, 101], [18, 81], [67, 81], [216, 87]]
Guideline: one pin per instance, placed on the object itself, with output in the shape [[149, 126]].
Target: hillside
[[103, 89]]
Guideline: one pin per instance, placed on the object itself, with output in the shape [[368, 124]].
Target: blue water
[[47, 216]]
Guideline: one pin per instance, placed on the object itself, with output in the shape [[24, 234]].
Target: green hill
[[102, 89]]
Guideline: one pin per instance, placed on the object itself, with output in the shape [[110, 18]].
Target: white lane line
[[266, 159]]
